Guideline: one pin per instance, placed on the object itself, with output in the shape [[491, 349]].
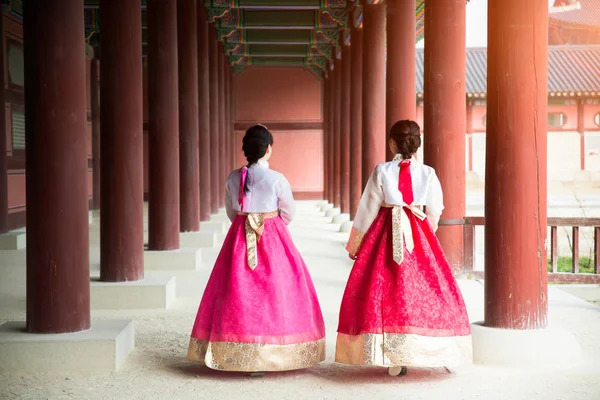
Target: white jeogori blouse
[[383, 188], [269, 191]]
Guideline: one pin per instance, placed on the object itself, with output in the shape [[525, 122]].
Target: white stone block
[[346, 227], [150, 293], [90, 217], [214, 226], [188, 259], [326, 207], [12, 258], [103, 348], [528, 348], [341, 218], [203, 239], [332, 212], [321, 203], [13, 241]]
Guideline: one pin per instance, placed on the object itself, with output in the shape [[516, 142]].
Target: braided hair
[[255, 143]]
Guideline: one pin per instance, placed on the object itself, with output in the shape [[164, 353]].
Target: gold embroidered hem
[[255, 357], [355, 241], [396, 349], [255, 225]]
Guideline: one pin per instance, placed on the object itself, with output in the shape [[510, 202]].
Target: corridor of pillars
[[366, 91], [191, 116], [190, 125]]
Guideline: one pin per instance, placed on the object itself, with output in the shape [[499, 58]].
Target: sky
[[476, 23]]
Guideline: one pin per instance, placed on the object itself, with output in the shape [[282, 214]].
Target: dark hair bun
[[255, 143], [407, 136]]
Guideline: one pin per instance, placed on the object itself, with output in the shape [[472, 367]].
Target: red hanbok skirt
[[408, 314]]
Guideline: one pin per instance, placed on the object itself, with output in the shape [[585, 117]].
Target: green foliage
[[565, 264]]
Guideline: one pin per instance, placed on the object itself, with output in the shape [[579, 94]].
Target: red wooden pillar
[[163, 131], [324, 108], [231, 147], [58, 274], [3, 138], [95, 106], [331, 135], [222, 125], [121, 142], [187, 46], [445, 113], [401, 93], [345, 130], [204, 135], [337, 132], [515, 190], [327, 137], [227, 158], [215, 182], [356, 121], [374, 143]]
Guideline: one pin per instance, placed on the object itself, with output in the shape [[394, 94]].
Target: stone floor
[[157, 368]]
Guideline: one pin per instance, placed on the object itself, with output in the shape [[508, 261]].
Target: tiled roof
[[588, 14], [571, 69]]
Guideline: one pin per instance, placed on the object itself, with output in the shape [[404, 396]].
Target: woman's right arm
[[435, 201]]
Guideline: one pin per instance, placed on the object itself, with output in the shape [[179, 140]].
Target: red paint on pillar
[[325, 88], [329, 136], [401, 93], [121, 143], [222, 129], [356, 121], [95, 106], [516, 156], [58, 273], [445, 114], [215, 182], [3, 137], [345, 131], [337, 132], [187, 49], [163, 126], [374, 143], [204, 135], [228, 125]]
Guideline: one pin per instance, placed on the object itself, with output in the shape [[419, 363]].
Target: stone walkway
[[157, 368]]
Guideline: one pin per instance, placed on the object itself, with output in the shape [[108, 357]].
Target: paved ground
[[157, 368]]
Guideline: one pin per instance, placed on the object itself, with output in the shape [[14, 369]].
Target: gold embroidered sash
[[255, 225], [401, 229]]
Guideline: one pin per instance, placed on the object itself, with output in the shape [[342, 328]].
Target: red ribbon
[[405, 182]]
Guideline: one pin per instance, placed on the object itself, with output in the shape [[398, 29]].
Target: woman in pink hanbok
[[259, 311], [402, 306]]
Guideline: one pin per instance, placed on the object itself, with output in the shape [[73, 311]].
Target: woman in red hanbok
[[402, 306]]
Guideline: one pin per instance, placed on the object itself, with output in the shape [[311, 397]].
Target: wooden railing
[[469, 225]]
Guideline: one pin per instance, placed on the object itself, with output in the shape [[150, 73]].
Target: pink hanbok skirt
[[262, 319]]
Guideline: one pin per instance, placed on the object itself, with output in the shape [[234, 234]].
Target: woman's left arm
[[287, 205]]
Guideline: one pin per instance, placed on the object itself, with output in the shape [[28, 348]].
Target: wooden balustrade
[[575, 276]]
